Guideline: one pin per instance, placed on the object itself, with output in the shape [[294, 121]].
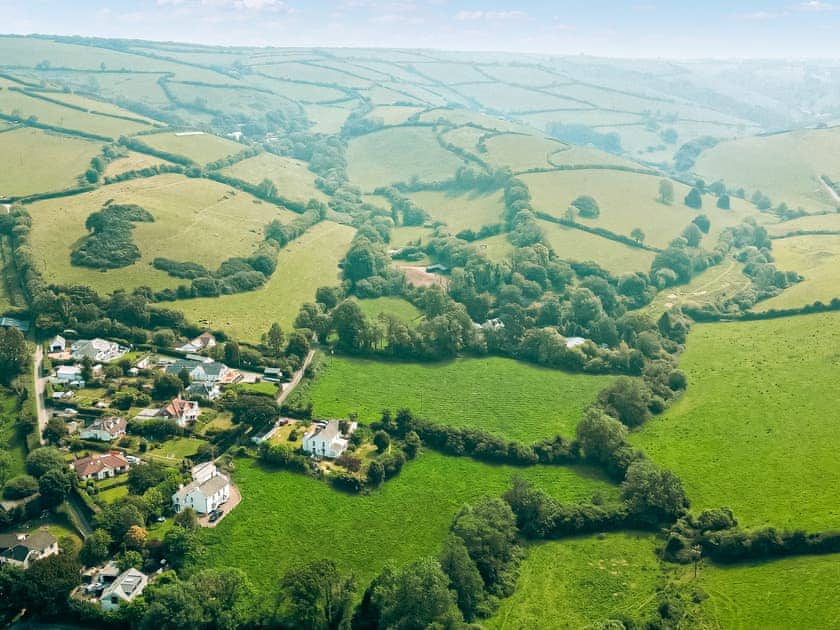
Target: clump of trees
[[587, 207], [109, 244]]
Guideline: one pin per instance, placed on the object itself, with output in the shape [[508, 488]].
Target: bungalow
[[22, 549], [208, 490], [97, 350], [104, 429], [208, 371], [326, 441], [128, 585], [69, 375], [184, 412], [100, 466], [57, 345]]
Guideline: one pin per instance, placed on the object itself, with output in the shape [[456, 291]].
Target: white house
[[104, 429], [326, 441], [184, 412], [57, 345], [97, 350], [128, 585], [574, 342], [22, 549], [204, 371], [100, 465], [202, 342], [208, 490]]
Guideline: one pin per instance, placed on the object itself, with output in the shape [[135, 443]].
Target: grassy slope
[[573, 583], [292, 177], [521, 152], [461, 211], [304, 265], [37, 161], [132, 162], [380, 158], [203, 148], [715, 284], [285, 518], [505, 397], [755, 430], [573, 244], [403, 309]]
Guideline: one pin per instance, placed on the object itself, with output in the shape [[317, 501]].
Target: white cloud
[[760, 16], [250, 5], [490, 16], [395, 18], [816, 5]]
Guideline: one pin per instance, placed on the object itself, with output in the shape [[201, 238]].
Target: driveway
[[289, 387], [40, 384], [232, 502]]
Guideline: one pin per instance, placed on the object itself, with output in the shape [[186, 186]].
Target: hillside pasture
[[395, 307], [755, 430], [509, 398], [326, 118], [713, 286], [201, 148], [380, 158], [196, 220], [508, 98], [461, 211], [521, 152], [37, 161], [578, 581], [808, 223], [132, 162], [573, 244], [293, 178], [303, 265], [229, 99], [393, 114], [98, 106], [368, 531]]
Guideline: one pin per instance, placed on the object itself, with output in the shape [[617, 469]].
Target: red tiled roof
[[93, 464]]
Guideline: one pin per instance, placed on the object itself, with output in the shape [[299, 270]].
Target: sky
[[677, 29]]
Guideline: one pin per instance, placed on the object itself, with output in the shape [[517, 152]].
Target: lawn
[[506, 397], [201, 148], [579, 581], [461, 211], [196, 220], [287, 518], [573, 244], [38, 161], [307, 263], [398, 307], [113, 493], [293, 178], [380, 158], [629, 200], [173, 451], [786, 167], [817, 258], [756, 430]]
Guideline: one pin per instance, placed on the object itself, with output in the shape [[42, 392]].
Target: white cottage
[[209, 490], [326, 441]]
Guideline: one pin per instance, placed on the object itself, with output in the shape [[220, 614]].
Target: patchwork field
[[290, 511], [756, 409], [326, 118], [393, 114], [817, 258], [786, 167], [581, 581], [195, 220], [37, 161], [293, 178], [379, 158], [572, 244], [509, 398], [132, 162], [462, 211], [305, 264], [521, 152], [814, 222], [201, 148]]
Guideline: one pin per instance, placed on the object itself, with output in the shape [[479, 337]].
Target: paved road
[[289, 387], [40, 383]]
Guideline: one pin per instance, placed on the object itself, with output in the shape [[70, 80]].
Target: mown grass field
[[789, 593], [629, 200], [200, 148], [293, 178], [502, 396], [132, 162], [786, 167], [380, 158], [286, 518], [307, 263], [398, 307], [756, 430], [572, 244], [577, 582], [195, 220], [817, 258], [38, 161], [462, 211]]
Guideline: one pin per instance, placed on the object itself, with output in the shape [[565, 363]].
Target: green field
[[497, 248], [38, 161], [10, 438], [132, 162], [326, 118], [786, 167], [572, 244], [201, 148], [817, 258], [461, 211], [398, 307], [393, 114], [756, 430], [712, 286], [173, 451], [196, 220], [380, 158], [284, 516], [579, 581], [509, 398], [293, 178], [521, 152], [307, 263], [813, 222]]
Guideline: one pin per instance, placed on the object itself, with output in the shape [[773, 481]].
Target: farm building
[[100, 465], [58, 344], [11, 322], [21, 549]]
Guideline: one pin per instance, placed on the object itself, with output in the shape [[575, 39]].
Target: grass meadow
[[10, 438], [756, 430], [379, 158], [293, 178], [521, 152], [712, 286], [201, 148], [398, 307], [132, 162], [579, 581], [508, 398], [196, 220], [823, 222], [37, 161], [286, 518], [572, 244], [461, 211], [307, 263], [326, 118]]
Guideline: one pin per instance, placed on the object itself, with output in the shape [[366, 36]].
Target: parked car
[[215, 515]]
